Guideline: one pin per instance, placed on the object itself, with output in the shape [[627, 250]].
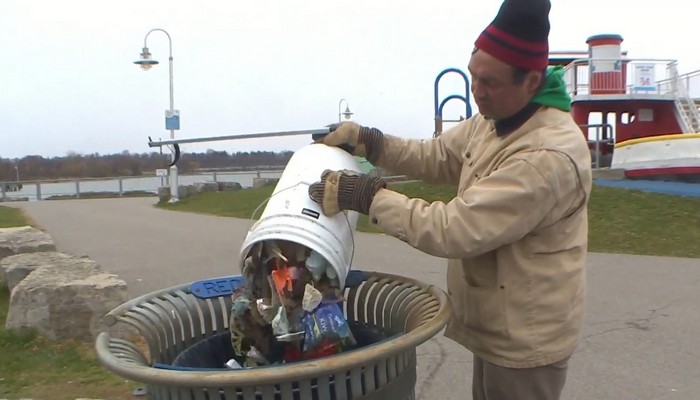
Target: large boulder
[[14, 269], [260, 182], [24, 239], [66, 299], [164, 193], [229, 186], [202, 187]]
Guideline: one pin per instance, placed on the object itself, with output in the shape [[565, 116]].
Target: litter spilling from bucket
[[289, 308], [295, 261]]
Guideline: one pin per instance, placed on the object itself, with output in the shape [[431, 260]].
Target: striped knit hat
[[518, 35]]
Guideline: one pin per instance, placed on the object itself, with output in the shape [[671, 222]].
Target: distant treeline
[[129, 164]]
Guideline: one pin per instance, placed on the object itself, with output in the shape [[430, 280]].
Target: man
[[516, 233]]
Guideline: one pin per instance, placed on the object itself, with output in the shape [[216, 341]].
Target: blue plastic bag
[[326, 330]]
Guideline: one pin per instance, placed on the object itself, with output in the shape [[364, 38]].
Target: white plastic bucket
[[291, 215]]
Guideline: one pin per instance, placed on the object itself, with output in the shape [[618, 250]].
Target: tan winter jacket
[[515, 235]]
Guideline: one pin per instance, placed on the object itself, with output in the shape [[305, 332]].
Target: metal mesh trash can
[[173, 321]]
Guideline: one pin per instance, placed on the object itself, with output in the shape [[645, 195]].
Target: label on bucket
[[311, 213]]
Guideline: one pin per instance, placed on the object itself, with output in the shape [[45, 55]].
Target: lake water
[[30, 190]]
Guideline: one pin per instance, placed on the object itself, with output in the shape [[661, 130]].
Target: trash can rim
[[273, 375]]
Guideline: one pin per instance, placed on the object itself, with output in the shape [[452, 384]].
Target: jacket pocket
[[485, 310]]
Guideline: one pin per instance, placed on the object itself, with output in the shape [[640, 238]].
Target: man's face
[[495, 90]]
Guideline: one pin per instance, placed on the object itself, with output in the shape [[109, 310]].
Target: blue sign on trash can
[[172, 119]]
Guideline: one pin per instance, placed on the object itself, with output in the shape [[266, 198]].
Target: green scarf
[[553, 94]]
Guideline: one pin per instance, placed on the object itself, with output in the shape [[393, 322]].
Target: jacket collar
[[510, 124]]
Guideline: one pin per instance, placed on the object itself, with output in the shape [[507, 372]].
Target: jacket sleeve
[[497, 210], [436, 160]]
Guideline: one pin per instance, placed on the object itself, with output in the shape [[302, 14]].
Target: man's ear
[[533, 81]]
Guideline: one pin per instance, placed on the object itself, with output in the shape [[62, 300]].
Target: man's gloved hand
[[345, 190], [357, 140]]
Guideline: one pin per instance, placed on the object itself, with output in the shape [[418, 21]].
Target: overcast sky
[[68, 82]]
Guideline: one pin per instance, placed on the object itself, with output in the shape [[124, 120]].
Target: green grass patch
[[33, 367], [635, 222], [620, 220], [12, 217], [238, 204]]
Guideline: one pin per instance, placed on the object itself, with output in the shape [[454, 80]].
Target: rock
[[24, 239], [185, 191], [164, 193], [15, 268], [202, 187], [66, 301], [229, 186], [260, 182]]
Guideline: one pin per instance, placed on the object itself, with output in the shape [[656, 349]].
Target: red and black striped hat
[[519, 34]]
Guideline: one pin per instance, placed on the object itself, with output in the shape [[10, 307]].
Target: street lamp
[[345, 115], [172, 116]]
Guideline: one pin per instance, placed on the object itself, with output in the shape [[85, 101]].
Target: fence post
[[121, 188], [38, 191], [597, 147], [77, 189]]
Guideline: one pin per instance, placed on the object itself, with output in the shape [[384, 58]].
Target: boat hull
[[666, 157]]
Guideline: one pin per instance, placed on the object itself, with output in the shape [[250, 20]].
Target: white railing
[[691, 82], [119, 186], [685, 105], [615, 76]]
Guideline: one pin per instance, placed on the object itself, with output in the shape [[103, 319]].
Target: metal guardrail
[[119, 186], [589, 76], [691, 82], [599, 128], [688, 111]]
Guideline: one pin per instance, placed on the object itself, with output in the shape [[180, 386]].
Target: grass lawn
[[620, 220], [12, 217]]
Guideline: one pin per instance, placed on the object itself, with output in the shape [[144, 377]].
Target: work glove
[[345, 190], [357, 140]]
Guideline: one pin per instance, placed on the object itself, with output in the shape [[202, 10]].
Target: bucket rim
[[306, 237]]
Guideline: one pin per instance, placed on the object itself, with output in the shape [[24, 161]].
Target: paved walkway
[[640, 340], [669, 188]]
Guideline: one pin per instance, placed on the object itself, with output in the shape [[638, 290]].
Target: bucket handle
[[252, 217]]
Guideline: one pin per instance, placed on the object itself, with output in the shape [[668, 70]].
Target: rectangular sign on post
[[644, 77], [161, 172], [172, 119]]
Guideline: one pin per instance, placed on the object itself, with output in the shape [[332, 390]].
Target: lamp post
[[344, 115], [172, 116]]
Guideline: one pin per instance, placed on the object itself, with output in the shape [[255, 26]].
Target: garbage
[[280, 325], [327, 330], [289, 308], [317, 265], [233, 364], [312, 298]]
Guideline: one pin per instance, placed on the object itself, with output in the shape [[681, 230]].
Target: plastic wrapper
[[233, 364], [254, 358], [280, 324], [312, 298], [267, 311], [317, 265], [327, 331]]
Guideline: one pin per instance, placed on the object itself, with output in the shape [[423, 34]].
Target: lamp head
[[347, 114], [145, 61]]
